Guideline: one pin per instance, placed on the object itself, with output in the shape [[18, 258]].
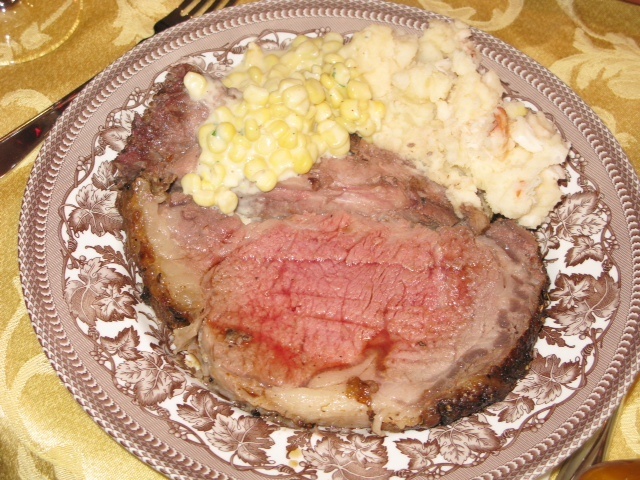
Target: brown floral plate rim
[[590, 240]]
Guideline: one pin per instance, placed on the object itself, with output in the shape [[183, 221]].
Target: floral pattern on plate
[[153, 404], [104, 295]]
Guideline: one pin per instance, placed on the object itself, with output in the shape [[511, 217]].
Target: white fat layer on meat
[[184, 288], [329, 405], [341, 376]]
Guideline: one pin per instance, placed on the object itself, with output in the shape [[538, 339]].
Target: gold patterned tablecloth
[[593, 45]]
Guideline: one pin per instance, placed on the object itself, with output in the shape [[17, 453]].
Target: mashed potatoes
[[448, 116]]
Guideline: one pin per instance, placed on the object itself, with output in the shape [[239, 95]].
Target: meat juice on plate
[[337, 264]]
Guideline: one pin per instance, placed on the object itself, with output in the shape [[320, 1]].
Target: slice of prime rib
[[352, 296]]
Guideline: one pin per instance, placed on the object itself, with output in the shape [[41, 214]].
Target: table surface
[[593, 45]]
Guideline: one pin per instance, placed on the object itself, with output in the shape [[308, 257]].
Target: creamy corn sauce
[[423, 97]]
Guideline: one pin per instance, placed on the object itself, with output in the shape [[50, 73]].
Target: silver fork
[[16, 145], [191, 9]]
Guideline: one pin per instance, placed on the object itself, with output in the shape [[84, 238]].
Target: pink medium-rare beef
[[318, 306], [355, 297], [353, 279]]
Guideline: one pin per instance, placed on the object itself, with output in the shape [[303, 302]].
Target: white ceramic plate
[[84, 297]]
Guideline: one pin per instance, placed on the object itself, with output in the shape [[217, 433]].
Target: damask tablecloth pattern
[[593, 45]]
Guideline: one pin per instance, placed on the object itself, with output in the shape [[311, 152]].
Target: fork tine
[[186, 7], [189, 9], [206, 5], [216, 5]]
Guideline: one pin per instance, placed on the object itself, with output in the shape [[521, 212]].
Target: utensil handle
[[17, 144]]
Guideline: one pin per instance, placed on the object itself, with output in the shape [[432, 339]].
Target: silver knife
[[16, 145]]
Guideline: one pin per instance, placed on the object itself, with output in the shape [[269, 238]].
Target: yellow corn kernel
[[252, 167], [359, 90], [295, 121], [280, 160], [280, 111], [190, 183], [207, 185], [334, 97], [251, 129], [307, 50], [256, 95], [302, 161], [206, 157], [237, 80], [279, 71], [298, 77], [299, 40], [348, 126], [227, 201], [255, 75], [341, 73], [303, 139], [223, 114], [320, 143], [204, 171], [218, 174], [266, 180], [296, 98], [377, 111], [270, 61], [366, 129], [312, 148], [289, 140], [226, 131], [323, 112], [349, 110], [238, 111], [266, 145], [293, 93], [340, 150], [204, 198], [289, 60], [315, 92], [271, 84], [254, 56], [277, 128], [327, 81], [342, 89], [363, 105], [309, 117], [288, 82], [275, 97], [196, 85], [204, 132], [332, 46], [216, 143], [332, 58], [333, 37], [239, 149], [334, 134], [262, 115]]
